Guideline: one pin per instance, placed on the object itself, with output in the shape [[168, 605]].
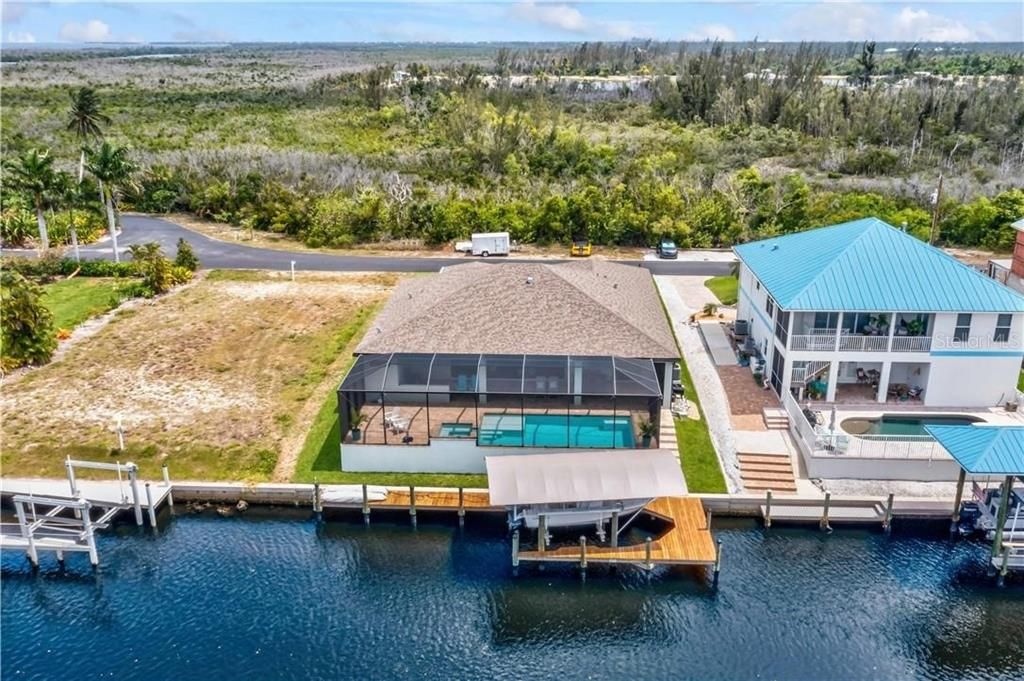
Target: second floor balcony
[[861, 332]]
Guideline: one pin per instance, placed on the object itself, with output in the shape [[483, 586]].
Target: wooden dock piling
[[615, 529], [647, 554], [462, 507], [768, 509], [542, 532], [1004, 566], [823, 523], [718, 560], [412, 504], [167, 483], [366, 505], [515, 549], [583, 552], [150, 507], [887, 519]]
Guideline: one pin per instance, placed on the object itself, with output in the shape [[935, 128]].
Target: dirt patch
[[211, 379]]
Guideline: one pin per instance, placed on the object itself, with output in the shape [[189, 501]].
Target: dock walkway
[[687, 542]]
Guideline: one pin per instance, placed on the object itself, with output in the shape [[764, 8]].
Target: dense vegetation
[[710, 145]]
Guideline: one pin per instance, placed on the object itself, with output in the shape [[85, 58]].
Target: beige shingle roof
[[588, 307]]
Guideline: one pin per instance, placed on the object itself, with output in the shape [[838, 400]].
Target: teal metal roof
[[870, 266], [984, 450]]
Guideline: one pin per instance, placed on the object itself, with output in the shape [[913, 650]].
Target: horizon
[[69, 23]]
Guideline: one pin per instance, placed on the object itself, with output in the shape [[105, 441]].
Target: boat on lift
[[575, 489], [980, 515]]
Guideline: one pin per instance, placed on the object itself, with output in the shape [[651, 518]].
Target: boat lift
[[50, 531]]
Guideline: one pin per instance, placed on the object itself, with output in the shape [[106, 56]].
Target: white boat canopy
[[583, 476]]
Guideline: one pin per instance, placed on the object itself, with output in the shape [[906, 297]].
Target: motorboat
[[980, 514]]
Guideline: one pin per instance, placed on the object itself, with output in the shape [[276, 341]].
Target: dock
[[687, 541]]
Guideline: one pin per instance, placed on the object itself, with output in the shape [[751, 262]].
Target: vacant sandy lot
[[214, 379]]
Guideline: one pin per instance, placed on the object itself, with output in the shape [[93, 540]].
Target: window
[[1002, 334], [769, 306], [826, 320], [782, 327], [963, 328]]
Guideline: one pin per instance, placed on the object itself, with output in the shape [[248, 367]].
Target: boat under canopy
[[580, 488]]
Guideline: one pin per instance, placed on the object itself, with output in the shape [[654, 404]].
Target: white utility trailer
[[491, 243]]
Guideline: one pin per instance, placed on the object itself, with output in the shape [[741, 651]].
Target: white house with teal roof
[[862, 312]]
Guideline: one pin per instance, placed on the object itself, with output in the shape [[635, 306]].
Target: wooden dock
[[437, 501], [688, 540]]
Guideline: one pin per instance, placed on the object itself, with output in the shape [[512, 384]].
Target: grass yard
[[72, 301], [726, 288], [697, 453], [1020, 381], [216, 380]]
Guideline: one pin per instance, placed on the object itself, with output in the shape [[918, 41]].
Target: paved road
[[226, 255]]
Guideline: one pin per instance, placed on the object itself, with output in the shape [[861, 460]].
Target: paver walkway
[[747, 400]]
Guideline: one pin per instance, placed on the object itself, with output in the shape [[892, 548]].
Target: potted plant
[[357, 419], [915, 327], [647, 432]]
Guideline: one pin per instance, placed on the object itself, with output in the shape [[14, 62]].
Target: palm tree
[[113, 170], [33, 172], [85, 119], [70, 195]]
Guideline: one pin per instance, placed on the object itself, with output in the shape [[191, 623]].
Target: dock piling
[[33, 557], [648, 563], [412, 504], [133, 480], [583, 552], [1004, 566], [366, 506], [152, 510], [515, 549], [615, 529], [71, 476], [768, 509], [318, 506], [718, 560], [542, 532], [823, 523], [167, 483], [887, 519], [462, 508], [954, 520], [90, 536]]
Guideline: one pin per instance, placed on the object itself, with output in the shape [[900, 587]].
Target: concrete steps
[[760, 472], [775, 419]]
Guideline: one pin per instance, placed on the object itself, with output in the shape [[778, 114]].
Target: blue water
[[895, 424], [250, 598], [555, 430]]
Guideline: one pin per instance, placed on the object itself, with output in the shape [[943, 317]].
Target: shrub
[[158, 273], [28, 336], [186, 257]]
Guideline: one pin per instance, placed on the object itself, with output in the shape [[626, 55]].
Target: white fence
[[830, 342]]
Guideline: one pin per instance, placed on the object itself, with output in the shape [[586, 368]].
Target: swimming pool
[[903, 424], [556, 430]]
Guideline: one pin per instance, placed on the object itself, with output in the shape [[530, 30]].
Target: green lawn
[[697, 454], [72, 301], [1020, 381], [726, 288]]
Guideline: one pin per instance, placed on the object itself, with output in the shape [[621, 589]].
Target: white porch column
[[839, 329], [833, 381], [892, 331], [883, 380]]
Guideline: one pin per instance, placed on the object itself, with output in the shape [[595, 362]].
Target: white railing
[[817, 341], [858, 343], [911, 343], [819, 441]]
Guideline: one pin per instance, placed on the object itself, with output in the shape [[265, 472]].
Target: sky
[[68, 21]]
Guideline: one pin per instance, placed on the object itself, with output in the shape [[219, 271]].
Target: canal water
[[277, 597]]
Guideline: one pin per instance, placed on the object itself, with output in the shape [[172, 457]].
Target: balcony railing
[[911, 343], [858, 343], [816, 341]]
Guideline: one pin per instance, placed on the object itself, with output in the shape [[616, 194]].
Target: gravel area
[[683, 296], [901, 488]]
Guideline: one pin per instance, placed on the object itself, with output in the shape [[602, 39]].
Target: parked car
[[581, 248], [667, 249]]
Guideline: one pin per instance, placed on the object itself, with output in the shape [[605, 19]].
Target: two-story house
[[862, 312]]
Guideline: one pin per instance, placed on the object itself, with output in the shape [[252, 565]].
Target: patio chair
[[862, 376]]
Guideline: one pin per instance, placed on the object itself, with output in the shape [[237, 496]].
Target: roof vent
[[529, 281], [775, 247], [615, 285], [903, 225]]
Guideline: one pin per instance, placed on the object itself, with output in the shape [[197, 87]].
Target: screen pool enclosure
[[564, 401]]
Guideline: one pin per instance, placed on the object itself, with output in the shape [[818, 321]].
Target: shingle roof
[[984, 450], [589, 308], [868, 265]]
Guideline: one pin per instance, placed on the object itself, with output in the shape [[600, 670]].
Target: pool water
[[285, 598], [456, 430], [894, 424], [556, 430]]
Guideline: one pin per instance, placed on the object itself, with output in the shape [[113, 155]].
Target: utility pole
[[936, 198]]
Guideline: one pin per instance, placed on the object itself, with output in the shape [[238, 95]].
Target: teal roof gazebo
[[986, 450]]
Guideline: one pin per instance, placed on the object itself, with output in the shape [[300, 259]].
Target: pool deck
[[687, 542]]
